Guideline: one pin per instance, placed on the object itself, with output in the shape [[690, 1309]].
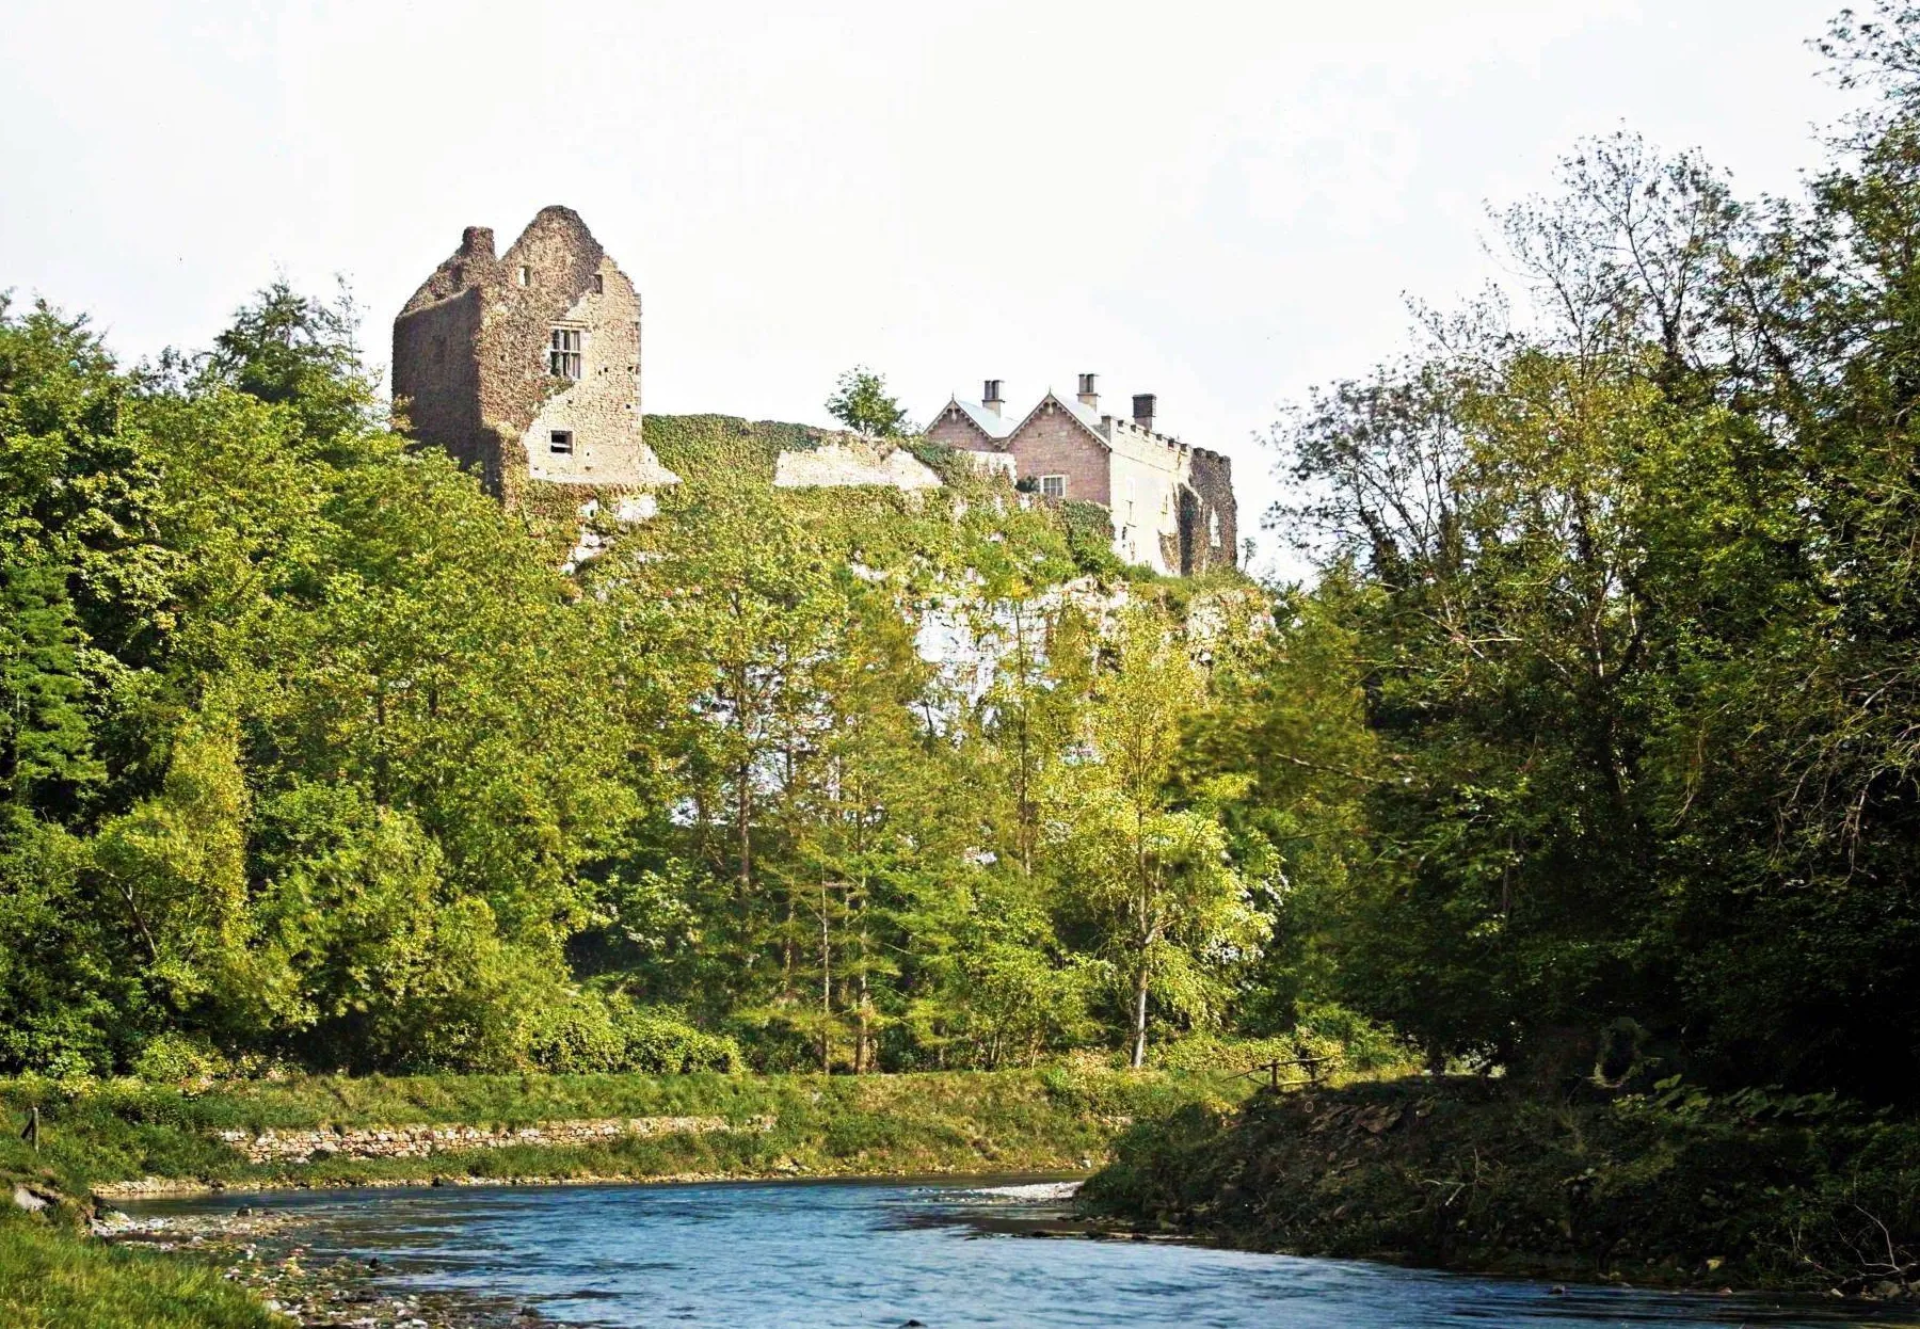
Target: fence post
[[32, 1133]]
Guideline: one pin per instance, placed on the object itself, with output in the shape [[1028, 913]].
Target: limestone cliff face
[[849, 462]]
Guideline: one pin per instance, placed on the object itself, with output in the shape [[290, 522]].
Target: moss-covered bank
[[1674, 1188]]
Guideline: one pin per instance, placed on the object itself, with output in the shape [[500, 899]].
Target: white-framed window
[[560, 442], [1213, 528], [564, 358], [1053, 486]]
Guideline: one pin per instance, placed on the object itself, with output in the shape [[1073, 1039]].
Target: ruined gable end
[[525, 365]]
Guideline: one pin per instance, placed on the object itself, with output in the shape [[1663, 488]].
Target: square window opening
[[560, 442], [526, 275], [599, 283]]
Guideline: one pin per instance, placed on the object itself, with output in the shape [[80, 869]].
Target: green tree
[[1171, 910], [861, 402]]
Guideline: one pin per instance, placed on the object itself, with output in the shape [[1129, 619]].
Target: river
[[786, 1254]]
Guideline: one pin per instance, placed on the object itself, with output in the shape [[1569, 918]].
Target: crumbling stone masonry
[[526, 365]]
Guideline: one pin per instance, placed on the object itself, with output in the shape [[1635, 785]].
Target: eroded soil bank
[[1675, 1189]]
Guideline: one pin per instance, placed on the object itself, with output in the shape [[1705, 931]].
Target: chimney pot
[[1143, 405], [1090, 391], [990, 397]]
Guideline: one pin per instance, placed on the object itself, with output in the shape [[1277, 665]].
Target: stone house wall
[[601, 411]]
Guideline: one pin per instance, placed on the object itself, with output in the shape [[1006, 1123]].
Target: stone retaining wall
[[303, 1146]]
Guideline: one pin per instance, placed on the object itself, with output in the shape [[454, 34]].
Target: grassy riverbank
[[1013, 1121], [96, 1134], [51, 1280], [1674, 1188]]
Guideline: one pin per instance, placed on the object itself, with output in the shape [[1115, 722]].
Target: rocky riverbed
[[263, 1250]]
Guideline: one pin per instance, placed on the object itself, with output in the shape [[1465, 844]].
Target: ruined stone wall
[[852, 462], [1002, 464], [436, 360], [555, 275], [1211, 478], [1052, 442]]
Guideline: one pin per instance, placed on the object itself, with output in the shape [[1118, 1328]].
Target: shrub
[[172, 1057], [1364, 1045], [1090, 537], [577, 1037], [600, 1031], [1213, 1052], [1349, 1042], [662, 1042]]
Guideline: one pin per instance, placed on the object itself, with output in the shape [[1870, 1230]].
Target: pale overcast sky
[[1219, 203]]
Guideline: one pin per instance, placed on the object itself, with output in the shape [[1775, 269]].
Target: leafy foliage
[[313, 756], [1628, 592], [861, 402]]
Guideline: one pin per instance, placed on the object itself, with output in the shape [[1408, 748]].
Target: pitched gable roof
[[990, 423], [1081, 416]]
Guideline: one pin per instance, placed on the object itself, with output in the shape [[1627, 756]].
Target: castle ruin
[[526, 365]]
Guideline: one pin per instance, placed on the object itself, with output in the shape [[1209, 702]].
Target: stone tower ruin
[[526, 365]]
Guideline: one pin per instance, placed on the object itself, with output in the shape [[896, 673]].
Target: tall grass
[[51, 1280], [1010, 1121]]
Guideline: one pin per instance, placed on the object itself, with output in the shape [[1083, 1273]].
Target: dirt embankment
[[1675, 1189]]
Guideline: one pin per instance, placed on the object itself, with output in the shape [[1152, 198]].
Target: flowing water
[[760, 1255]]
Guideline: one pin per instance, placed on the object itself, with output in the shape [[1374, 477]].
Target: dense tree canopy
[[311, 751], [1630, 587], [1588, 749]]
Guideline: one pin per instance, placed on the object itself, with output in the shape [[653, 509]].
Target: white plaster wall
[[1147, 470]]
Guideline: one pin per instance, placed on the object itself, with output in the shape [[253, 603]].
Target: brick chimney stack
[[1143, 405], [1089, 392], [990, 398]]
